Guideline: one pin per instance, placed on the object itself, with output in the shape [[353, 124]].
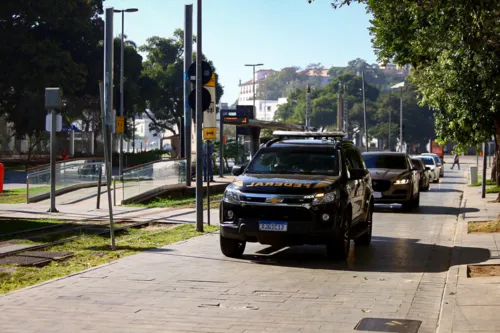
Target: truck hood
[[283, 184]]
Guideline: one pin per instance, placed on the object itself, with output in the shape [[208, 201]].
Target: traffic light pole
[[188, 59], [199, 120]]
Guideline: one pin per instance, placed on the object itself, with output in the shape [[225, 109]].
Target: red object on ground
[[2, 175], [224, 139]]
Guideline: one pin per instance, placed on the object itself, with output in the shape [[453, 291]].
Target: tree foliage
[[454, 49]]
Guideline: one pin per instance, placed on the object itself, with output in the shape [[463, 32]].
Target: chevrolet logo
[[274, 201]]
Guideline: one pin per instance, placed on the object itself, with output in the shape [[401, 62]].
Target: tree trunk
[[494, 164], [497, 154]]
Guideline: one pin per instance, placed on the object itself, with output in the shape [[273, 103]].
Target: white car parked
[[439, 162], [430, 162]]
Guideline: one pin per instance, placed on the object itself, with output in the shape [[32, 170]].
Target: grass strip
[[93, 250], [484, 227]]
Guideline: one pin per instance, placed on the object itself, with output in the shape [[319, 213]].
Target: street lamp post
[[400, 86], [253, 79], [122, 62], [364, 107]]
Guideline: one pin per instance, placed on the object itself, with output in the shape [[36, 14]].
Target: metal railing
[[78, 173], [148, 177]]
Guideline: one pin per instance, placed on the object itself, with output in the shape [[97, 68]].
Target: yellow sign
[[211, 83], [209, 133], [120, 124]]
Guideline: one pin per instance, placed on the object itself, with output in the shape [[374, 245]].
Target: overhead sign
[[120, 124], [48, 122], [210, 133], [206, 71]]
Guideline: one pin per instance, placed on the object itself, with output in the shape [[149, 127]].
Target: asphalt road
[[191, 286]]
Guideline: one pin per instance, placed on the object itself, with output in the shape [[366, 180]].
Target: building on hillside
[[395, 69], [246, 92], [322, 73]]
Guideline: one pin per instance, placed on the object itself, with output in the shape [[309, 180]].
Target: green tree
[[42, 47], [454, 49]]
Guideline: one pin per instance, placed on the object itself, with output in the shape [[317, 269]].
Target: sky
[[276, 33]]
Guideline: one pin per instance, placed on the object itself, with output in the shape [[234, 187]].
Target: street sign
[[209, 116], [48, 122], [120, 124], [205, 99], [211, 83], [209, 133], [206, 71]]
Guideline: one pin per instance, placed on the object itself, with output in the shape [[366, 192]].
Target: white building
[[246, 92]]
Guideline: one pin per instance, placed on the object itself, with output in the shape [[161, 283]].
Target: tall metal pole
[[364, 107], [188, 59], [199, 120], [53, 148], [339, 108], [122, 71], [389, 143], [483, 183], [401, 121], [308, 107], [221, 144], [107, 94], [254, 91]]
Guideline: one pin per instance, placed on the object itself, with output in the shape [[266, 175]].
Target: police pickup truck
[[299, 188]]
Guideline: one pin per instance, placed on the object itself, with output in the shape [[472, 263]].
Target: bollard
[[2, 176], [472, 175]]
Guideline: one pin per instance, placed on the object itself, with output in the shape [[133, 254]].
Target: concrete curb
[[448, 303]]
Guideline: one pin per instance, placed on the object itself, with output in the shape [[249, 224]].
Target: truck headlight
[[402, 181], [232, 196], [325, 197]]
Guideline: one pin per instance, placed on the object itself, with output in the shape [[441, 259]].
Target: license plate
[[273, 226], [377, 195]]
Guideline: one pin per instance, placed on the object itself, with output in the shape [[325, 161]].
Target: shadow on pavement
[[426, 210], [386, 254], [444, 190]]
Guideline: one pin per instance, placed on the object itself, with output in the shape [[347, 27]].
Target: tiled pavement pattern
[[191, 287]]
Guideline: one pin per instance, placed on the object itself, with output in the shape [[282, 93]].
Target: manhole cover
[[388, 325], [35, 258], [24, 261], [48, 255]]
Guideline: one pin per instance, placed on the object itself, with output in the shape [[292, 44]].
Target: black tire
[[232, 248], [338, 248], [408, 206], [366, 238]]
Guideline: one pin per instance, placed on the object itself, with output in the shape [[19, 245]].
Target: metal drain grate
[[388, 325], [35, 258]]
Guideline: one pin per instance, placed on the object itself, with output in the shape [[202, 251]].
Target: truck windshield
[[295, 161]]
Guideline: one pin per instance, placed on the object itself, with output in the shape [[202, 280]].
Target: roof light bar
[[295, 134]]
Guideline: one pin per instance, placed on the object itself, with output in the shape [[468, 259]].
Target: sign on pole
[[120, 124], [209, 116]]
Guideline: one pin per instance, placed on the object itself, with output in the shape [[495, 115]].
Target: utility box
[[472, 175]]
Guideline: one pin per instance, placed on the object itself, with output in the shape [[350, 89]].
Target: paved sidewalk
[[472, 304]]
